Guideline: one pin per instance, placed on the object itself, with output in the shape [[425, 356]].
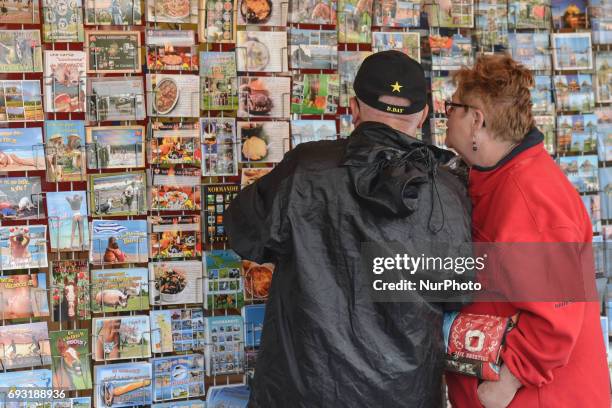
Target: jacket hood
[[387, 167]]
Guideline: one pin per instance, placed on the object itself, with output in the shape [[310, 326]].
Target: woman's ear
[[479, 121]]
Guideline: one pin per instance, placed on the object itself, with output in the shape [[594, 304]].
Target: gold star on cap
[[396, 87]]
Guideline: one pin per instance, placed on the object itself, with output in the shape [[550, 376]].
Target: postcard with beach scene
[[119, 242], [67, 213], [65, 150], [21, 198], [23, 246], [21, 149], [23, 296], [118, 194], [115, 147]]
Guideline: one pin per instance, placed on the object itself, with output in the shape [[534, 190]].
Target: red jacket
[[558, 354]]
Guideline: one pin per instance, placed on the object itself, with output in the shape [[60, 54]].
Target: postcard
[[113, 51], [21, 198], [603, 69], [65, 150], [451, 53], [23, 296], [438, 132], [264, 97], [569, 14], [175, 282], [170, 11], [396, 13], [303, 131], [312, 12], [119, 290], [442, 89], [261, 51], [218, 80], [173, 96], [460, 15], [64, 79], [604, 133], [178, 377], [122, 385], [408, 43], [531, 50], [546, 125], [115, 147], [346, 126], [572, 51], [119, 242], [175, 143], [581, 172], [491, 23], [175, 236], [218, 197], [217, 24], [70, 299], [592, 203], [223, 286], [24, 345], [113, 12], [577, 133], [63, 22], [80, 402], [601, 26], [605, 178], [313, 49], [257, 280], [182, 404], [115, 99], [315, 94], [120, 337], [354, 22], [20, 51], [268, 13], [574, 92], [118, 194], [21, 149], [27, 379], [542, 95], [70, 359], [234, 395], [248, 176], [18, 12], [20, 100], [530, 14], [348, 65], [171, 50], [175, 189], [263, 142], [67, 213], [23, 247], [174, 330], [224, 345], [253, 316], [219, 147]]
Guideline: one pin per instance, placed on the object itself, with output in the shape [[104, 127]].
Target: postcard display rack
[[128, 126]]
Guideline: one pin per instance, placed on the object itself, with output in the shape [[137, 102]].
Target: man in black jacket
[[325, 342]]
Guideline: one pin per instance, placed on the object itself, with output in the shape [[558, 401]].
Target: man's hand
[[499, 394]]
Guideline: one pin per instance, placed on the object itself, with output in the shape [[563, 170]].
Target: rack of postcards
[[127, 127]]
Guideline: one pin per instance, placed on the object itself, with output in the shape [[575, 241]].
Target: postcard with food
[[263, 142], [119, 290], [113, 51], [23, 296], [171, 50], [119, 242], [546, 125], [303, 131], [312, 12], [217, 24], [450, 53], [118, 194], [572, 51], [122, 385], [315, 94], [569, 14], [261, 51], [173, 96], [175, 143], [172, 11], [178, 377], [264, 97], [182, 404], [530, 14], [64, 79], [574, 92], [491, 24], [175, 282], [249, 175], [577, 133], [224, 345], [21, 101], [115, 99], [257, 280], [70, 290], [218, 197], [223, 285], [531, 50], [408, 43], [175, 189], [177, 330], [262, 12], [218, 80], [120, 337], [603, 69], [313, 49], [70, 359], [354, 21], [581, 172], [30, 378], [62, 21], [115, 147], [219, 147], [542, 95], [175, 236], [19, 12], [397, 13], [459, 15], [65, 150], [604, 133], [24, 345], [68, 227], [348, 65], [23, 247], [20, 51], [21, 149], [21, 198], [113, 12]]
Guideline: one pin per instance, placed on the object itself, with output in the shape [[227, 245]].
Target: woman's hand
[[499, 394]]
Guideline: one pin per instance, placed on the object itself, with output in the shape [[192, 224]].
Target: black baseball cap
[[391, 73]]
